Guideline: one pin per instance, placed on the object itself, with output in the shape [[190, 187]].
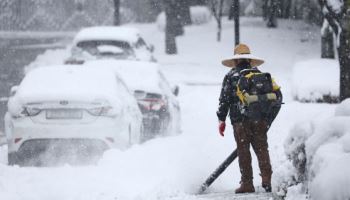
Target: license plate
[[64, 114]]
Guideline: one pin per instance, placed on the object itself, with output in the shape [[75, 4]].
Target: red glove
[[222, 126]]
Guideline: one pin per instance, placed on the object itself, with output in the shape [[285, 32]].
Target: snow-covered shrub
[[253, 8], [343, 109], [316, 80], [320, 153], [284, 177], [199, 15], [289, 177], [295, 148]]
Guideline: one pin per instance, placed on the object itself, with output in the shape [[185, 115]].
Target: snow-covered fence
[[53, 15], [319, 151]]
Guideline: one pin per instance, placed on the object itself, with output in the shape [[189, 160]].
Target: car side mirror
[[151, 48], [176, 90], [13, 90]]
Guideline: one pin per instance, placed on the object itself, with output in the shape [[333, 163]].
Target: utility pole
[[116, 20], [236, 20]]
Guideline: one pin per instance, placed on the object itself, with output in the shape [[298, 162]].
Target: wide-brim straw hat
[[242, 51]]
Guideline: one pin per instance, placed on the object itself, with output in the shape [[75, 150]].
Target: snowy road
[[174, 167]]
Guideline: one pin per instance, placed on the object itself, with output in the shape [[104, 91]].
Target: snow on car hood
[[138, 75], [71, 83]]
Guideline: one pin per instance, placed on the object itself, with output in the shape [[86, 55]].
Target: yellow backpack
[[256, 92]]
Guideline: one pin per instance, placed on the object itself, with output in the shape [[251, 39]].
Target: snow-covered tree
[[173, 26], [271, 12], [184, 9], [327, 41], [216, 8], [337, 14]]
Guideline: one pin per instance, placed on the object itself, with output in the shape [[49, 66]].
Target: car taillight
[[30, 111], [101, 111], [152, 104]]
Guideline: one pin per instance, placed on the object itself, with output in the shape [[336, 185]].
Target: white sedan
[[69, 111], [109, 42]]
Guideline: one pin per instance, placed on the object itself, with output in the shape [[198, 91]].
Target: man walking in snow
[[253, 100]]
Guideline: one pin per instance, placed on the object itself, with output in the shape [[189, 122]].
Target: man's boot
[[246, 187], [266, 182]]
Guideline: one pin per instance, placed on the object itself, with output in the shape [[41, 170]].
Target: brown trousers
[[254, 133]]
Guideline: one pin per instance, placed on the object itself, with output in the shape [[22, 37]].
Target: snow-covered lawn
[[176, 166]]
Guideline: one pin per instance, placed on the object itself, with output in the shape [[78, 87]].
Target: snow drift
[[319, 151]]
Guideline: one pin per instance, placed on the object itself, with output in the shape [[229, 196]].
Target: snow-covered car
[[109, 42], [66, 110], [155, 96]]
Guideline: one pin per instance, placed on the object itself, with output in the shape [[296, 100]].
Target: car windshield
[[95, 48]]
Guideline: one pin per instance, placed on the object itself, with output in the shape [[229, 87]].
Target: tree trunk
[[327, 41], [344, 60], [221, 3], [170, 43], [173, 26], [272, 14], [173, 9], [185, 13], [232, 10], [265, 9], [344, 53], [116, 20], [236, 20], [285, 8]]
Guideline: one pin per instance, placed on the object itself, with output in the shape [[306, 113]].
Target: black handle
[[218, 172]]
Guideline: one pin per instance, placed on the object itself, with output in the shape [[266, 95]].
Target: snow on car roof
[[138, 75], [74, 83], [128, 34]]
